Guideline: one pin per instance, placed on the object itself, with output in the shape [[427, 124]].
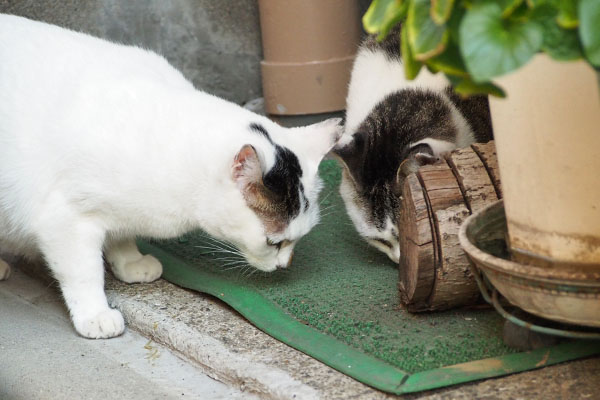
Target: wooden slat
[[487, 154], [416, 271], [434, 270], [473, 178]]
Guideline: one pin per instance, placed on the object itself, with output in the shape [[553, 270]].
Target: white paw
[[146, 269], [106, 324], [4, 270]]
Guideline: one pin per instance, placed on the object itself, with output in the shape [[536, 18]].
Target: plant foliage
[[474, 41]]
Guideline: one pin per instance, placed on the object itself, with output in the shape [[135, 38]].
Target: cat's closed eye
[[280, 244], [383, 242]]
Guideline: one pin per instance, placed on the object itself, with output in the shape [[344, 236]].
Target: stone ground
[[177, 340], [42, 358]]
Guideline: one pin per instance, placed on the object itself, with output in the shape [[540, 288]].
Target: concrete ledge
[[228, 348], [225, 345]]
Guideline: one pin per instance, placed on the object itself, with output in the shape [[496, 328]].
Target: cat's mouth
[[262, 264]]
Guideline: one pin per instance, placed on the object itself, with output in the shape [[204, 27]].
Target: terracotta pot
[[547, 134], [309, 48]]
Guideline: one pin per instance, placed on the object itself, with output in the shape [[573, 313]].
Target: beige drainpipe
[[308, 48]]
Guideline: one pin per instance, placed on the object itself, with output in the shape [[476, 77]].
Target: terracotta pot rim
[[580, 274]]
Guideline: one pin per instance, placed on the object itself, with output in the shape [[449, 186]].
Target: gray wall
[[215, 43]]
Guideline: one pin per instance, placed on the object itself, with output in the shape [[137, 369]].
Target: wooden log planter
[[434, 270]]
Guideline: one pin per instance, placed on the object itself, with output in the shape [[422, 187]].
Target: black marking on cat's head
[[383, 141], [283, 180], [274, 195], [258, 128], [390, 46]]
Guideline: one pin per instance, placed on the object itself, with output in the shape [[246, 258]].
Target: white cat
[[101, 142]]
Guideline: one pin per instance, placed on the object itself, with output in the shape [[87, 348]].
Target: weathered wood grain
[[434, 270]]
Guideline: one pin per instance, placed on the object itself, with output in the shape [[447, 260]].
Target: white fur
[[464, 133], [101, 142], [375, 76], [368, 231], [438, 147], [4, 270]]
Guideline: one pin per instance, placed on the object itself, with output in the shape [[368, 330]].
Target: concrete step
[[41, 356]]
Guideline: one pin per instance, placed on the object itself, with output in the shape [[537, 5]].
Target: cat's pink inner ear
[[246, 167]]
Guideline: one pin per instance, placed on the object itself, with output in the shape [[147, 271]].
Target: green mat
[[339, 304]]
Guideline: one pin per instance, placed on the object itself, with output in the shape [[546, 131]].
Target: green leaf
[[567, 14], [454, 23], [426, 38], [441, 10], [560, 44], [492, 46], [508, 6], [411, 66], [449, 62], [382, 15], [467, 87], [589, 30], [535, 3]]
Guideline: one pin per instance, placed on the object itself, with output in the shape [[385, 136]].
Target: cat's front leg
[[129, 265], [4, 270], [73, 251]]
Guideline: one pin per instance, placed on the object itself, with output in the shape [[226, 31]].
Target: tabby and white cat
[[101, 142], [393, 126]]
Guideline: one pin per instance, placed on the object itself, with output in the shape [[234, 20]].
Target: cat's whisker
[[219, 250], [230, 259], [328, 212], [214, 239], [224, 244], [232, 249], [246, 271], [325, 197], [208, 247], [212, 242], [232, 264], [210, 253], [252, 272], [328, 208], [224, 256]]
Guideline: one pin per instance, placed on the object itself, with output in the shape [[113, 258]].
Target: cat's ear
[[422, 154], [247, 173], [419, 155], [246, 170], [316, 140], [349, 151], [426, 159]]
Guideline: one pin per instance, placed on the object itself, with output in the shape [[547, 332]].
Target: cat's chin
[[265, 269], [261, 266], [394, 256], [392, 252]]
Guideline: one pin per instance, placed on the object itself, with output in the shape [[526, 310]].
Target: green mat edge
[[371, 371]]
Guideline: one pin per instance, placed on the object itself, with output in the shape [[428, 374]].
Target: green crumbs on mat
[[343, 288]]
